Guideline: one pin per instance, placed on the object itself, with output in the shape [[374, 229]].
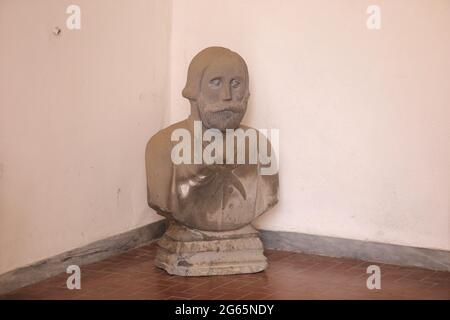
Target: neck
[[194, 111]]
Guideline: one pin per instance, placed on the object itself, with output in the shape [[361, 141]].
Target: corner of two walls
[[363, 152]]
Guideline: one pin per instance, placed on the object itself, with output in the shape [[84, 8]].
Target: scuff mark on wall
[[118, 196]]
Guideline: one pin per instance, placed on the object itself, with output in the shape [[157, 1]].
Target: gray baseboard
[[90, 253], [277, 240], [356, 249]]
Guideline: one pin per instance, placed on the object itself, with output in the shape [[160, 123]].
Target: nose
[[226, 92]]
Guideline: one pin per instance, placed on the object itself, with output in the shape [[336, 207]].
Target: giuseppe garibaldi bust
[[205, 201]]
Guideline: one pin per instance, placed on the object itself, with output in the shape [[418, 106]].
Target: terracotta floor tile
[[292, 276]]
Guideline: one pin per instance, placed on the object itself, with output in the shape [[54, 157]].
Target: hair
[[201, 62]]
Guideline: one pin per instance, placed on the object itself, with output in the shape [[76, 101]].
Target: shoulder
[[259, 135], [245, 127], [161, 142]]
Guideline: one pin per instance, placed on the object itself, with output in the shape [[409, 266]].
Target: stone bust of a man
[[212, 197]]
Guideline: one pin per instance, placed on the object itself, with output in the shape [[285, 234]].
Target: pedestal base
[[188, 252]]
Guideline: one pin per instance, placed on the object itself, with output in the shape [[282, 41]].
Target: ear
[[247, 96]]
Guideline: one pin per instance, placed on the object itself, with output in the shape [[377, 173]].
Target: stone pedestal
[[189, 252]]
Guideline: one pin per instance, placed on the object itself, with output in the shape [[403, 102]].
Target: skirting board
[[357, 249], [277, 240], [90, 253]]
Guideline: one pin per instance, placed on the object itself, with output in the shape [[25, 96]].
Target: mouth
[[228, 110]]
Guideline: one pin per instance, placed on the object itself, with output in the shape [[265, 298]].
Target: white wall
[[363, 115], [76, 111]]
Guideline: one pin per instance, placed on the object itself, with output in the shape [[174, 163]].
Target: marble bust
[[210, 206]]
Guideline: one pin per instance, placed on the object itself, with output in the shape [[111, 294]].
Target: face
[[222, 100]]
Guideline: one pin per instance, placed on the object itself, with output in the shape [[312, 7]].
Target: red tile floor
[[290, 275]]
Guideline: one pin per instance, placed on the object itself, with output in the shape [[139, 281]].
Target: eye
[[235, 83], [215, 83]]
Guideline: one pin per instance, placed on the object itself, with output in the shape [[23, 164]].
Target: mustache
[[239, 108]]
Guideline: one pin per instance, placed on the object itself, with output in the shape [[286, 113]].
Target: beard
[[221, 115]]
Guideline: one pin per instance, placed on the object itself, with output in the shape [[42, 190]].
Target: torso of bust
[[211, 197]]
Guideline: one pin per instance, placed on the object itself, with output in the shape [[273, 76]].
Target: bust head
[[217, 88]]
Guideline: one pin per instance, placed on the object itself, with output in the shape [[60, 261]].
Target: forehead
[[227, 66]]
